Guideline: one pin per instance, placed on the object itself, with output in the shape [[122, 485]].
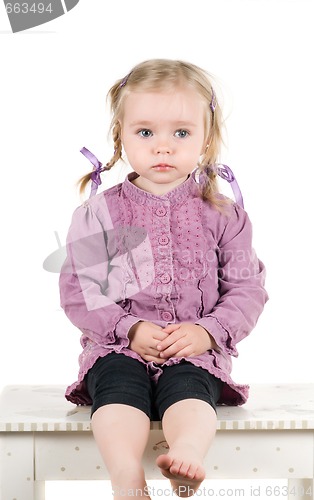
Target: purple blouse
[[133, 255]]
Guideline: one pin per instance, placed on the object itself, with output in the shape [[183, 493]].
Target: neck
[[157, 189]]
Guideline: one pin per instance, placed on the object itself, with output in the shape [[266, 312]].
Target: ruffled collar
[[174, 197]]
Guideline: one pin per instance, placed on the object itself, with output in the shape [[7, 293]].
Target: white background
[[53, 85]]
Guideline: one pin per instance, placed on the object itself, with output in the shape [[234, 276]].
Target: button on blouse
[[161, 211], [167, 316], [163, 240], [165, 278]]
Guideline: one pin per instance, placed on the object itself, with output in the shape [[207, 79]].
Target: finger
[[187, 352], [171, 339], [175, 349], [155, 359], [171, 327], [156, 327], [151, 351], [160, 336]]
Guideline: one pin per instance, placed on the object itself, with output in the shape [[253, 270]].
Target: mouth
[[162, 166]]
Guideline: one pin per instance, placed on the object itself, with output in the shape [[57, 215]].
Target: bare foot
[[184, 469]]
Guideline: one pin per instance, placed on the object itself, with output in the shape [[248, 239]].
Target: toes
[[184, 470], [164, 461], [176, 467], [198, 473], [191, 472]]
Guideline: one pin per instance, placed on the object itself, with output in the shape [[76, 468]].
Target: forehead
[[175, 104]]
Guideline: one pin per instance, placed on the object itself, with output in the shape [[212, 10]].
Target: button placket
[[163, 257], [164, 262]]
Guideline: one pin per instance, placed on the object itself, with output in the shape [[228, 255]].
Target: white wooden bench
[[43, 437]]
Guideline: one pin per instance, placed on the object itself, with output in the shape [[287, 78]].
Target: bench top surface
[[40, 408]]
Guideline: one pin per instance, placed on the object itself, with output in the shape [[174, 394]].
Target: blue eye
[[181, 133], [145, 132]]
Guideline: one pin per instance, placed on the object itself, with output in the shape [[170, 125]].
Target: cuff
[[219, 333], [124, 325]]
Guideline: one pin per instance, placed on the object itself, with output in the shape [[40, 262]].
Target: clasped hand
[[154, 343]]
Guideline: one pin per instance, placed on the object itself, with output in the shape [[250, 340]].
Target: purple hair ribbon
[[125, 79], [213, 102], [98, 168], [222, 170], [226, 173]]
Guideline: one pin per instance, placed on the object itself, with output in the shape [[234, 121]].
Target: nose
[[162, 146], [163, 149]]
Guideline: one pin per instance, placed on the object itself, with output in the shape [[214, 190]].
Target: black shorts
[[117, 378]]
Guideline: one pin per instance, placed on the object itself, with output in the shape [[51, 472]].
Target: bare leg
[[189, 427], [121, 433]]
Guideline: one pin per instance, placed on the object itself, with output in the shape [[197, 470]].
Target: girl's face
[[163, 136]]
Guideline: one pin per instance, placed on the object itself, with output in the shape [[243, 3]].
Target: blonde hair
[[160, 75]]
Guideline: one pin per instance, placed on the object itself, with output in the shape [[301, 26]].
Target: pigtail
[[114, 96], [116, 136], [209, 186], [83, 181]]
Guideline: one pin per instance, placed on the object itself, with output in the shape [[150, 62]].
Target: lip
[[162, 166]]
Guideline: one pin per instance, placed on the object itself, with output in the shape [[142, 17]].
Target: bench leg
[[39, 490], [300, 489], [17, 466]]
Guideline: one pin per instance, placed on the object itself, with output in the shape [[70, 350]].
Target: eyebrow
[[147, 123]]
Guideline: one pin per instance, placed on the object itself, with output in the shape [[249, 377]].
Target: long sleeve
[[84, 282], [241, 279]]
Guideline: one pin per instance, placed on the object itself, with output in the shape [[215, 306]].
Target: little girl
[[161, 279]]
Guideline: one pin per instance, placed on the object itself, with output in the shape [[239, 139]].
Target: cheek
[[133, 151], [128, 145], [196, 148]]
